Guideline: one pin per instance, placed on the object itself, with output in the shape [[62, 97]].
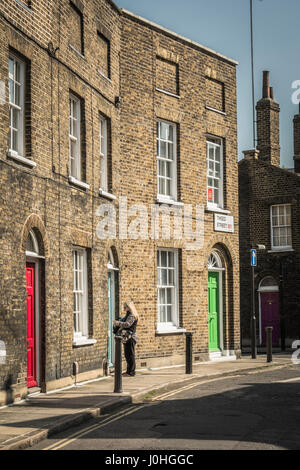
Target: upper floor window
[[281, 227], [166, 160], [74, 137], [16, 105], [104, 55], [167, 76], [167, 286], [103, 130], [76, 28], [214, 172], [215, 95]]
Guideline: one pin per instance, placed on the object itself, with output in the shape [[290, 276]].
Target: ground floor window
[[80, 293], [167, 287]]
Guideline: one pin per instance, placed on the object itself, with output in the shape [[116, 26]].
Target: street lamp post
[[252, 72], [253, 319]]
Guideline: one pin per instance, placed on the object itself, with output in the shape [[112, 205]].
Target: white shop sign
[[224, 223]]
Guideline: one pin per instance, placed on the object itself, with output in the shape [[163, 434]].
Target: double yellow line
[[77, 435], [188, 387]]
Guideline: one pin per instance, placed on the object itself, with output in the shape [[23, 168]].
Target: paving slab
[[24, 424]]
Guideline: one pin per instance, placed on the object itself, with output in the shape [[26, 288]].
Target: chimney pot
[[271, 93], [266, 84]]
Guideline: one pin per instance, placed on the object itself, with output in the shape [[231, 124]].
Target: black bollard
[[269, 343], [189, 353], [118, 365]]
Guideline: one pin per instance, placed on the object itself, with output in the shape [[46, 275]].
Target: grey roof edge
[[177, 36], [288, 171]]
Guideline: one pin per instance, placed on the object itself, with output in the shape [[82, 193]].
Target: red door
[[30, 286], [270, 316]]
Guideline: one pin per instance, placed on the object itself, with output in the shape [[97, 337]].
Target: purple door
[[270, 315]]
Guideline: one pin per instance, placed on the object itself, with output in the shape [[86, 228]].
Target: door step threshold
[[218, 357], [33, 391]]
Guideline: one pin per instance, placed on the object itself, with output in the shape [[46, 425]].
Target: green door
[[213, 311]]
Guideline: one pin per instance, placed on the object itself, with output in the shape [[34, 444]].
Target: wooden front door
[[270, 316], [213, 312], [31, 333]]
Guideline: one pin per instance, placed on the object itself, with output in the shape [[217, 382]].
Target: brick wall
[[65, 215], [261, 186]]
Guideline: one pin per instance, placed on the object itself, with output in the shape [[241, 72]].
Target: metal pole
[[252, 72], [118, 365], [253, 319], [269, 343], [189, 353], [281, 306]]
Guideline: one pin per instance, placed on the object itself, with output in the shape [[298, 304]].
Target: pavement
[[26, 423]]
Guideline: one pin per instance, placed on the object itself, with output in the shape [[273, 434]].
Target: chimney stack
[[267, 113], [297, 142]]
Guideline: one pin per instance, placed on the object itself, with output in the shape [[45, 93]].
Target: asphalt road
[[253, 411]]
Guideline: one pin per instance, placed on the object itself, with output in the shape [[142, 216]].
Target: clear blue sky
[[223, 25]]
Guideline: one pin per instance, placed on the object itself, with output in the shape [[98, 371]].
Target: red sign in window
[[210, 194]]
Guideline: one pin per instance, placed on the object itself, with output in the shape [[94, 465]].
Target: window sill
[[171, 331], [217, 209], [77, 52], [216, 110], [19, 158], [24, 6], [83, 342], [168, 93], [78, 183], [281, 250], [107, 195], [104, 76], [171, 202]]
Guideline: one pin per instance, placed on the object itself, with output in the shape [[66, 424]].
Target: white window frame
[[215, 144], [173, 178], [80, 315], [174, 324], [103, 135], [75, 136], [280, 247], [18, 108]]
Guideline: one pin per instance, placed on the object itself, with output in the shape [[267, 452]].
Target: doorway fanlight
[[214, 261], [268, 284], [111, 262], [33, 246]]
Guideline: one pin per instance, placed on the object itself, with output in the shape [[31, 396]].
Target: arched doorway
[[113, 307], [34, 276], [215, 304], [269, 309]]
